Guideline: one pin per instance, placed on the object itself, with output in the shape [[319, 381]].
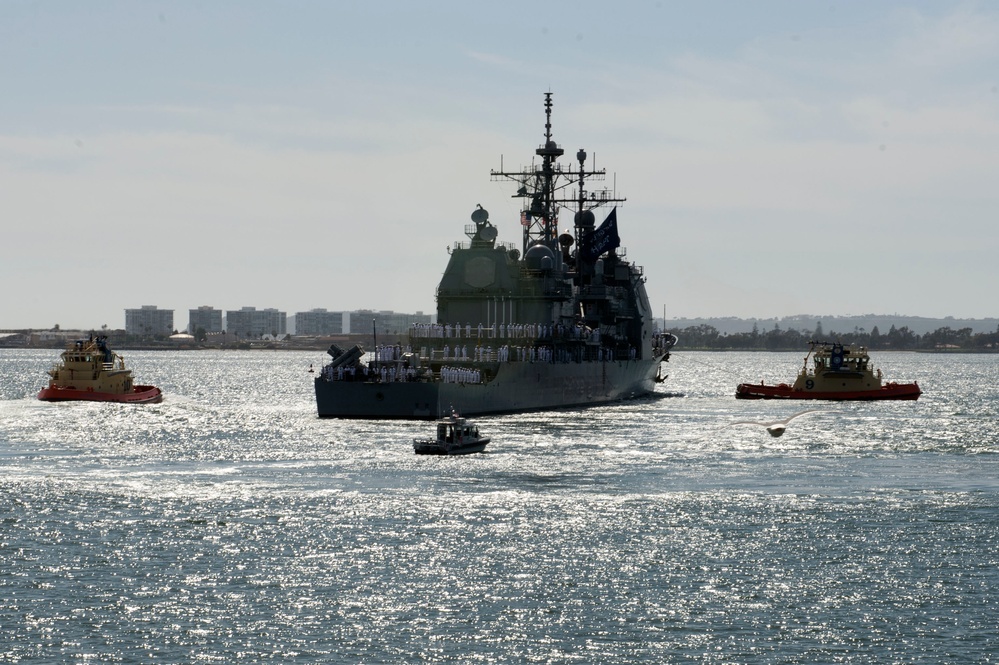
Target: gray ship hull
[[517, 387]]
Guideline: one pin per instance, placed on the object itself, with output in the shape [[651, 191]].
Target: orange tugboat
[[91, 371], [838, 373]]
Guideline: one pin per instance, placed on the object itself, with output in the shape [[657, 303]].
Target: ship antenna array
[[542, 186]]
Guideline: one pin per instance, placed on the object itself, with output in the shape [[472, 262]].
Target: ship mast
[[549, 153], [543, 187]]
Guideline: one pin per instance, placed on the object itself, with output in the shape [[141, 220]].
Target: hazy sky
[[778, 158]]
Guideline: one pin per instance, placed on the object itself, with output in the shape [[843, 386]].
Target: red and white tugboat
[[838, 373], [90, 371]]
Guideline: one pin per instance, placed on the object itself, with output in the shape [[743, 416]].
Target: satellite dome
[[536, 254], [585, 218]]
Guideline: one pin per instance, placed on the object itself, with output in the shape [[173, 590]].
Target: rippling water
[[229, 523]]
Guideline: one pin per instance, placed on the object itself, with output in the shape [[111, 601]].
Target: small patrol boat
[[90, 371], [838, 373], [455, 436]]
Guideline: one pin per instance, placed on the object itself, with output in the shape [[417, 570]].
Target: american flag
[[525, 218]]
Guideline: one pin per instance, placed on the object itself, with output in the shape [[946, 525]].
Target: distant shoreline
[[920, 325], [882, 332], [677, 350]]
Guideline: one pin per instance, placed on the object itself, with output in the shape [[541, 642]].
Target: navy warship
[[563, 321]]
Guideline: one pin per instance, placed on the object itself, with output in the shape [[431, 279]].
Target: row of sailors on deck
[[530, 354], [503, 354], [460, 375], [393, 374], [500, 330], [390, 352], [385, 373]]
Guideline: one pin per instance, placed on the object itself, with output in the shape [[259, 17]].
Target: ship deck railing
[[489, 362], [505, 246], [545, 354]]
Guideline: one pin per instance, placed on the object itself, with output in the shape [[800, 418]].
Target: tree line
[[895, 339]]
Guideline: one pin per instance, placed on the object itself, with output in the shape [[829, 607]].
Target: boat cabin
[[836, 358], [456, 430], [91, 365], [837, 368]]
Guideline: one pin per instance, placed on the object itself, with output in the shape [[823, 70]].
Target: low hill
[[811, 323]]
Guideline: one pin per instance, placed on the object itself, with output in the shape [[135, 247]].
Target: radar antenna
[[543, 188]]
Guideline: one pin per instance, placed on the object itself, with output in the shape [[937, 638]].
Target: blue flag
[[602, 239]]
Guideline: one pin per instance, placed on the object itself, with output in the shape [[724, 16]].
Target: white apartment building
[[149, 320], [206, 317], [251, 323], [318, 322]]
